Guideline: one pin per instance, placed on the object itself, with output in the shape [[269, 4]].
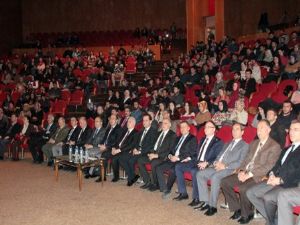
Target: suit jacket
[[95, 141], [46, 135], [60, 134], [129, 142], [289, 171], [278, 133], [235, 156], [264, 160], [213, 149], [13, 130], [30, 130], [167, 145], [74, 134], [111, 140], [188, 147], [249, 86], [83, 138], [148, 141]]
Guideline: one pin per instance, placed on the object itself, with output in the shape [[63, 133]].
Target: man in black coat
[[249, 84], [14, 129], [284, 174], [72, 136], [185, 149], [145, 141], [124, 145], [38, 139], [112, 135], [161, 148], [84, 134]]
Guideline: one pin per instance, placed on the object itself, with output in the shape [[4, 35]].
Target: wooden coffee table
[[64, 161]]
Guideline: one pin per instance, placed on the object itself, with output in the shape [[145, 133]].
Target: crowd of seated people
[[178, 129]]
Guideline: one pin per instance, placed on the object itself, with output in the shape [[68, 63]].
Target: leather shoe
[[181, 197], [166, 194], [245, 220], [211, 211], [201, 203], [87, 176], [195, 202], [145, 186], [129, 183], [115, 179], [153, 187], [204, 207], [236, 215], [135, 179]]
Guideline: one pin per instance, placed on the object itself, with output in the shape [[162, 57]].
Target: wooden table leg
[[102, 172], [79, 172], [56, 169]]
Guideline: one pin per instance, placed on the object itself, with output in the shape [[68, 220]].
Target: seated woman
[[275, 71], [234, 95], [187, 112], [20, 138], [118, 73], [203, 115], [160, 112], [239, 114], [174, 113], [222, 97], [259, 115], [222, 114]]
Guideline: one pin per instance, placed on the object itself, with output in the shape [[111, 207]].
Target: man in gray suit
[[57, 139], [95, 139], [229, 159], [261, 157], [285, 174], [287, 199]]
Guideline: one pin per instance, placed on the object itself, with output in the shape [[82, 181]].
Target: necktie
[[127, 133], [291, 149], [142, 138], [70, 134], [202, 149], [228, 149], [250, 165], [96, 132], [178, 146], [124, 122], [108, 135], [159, 141], [82, 130]]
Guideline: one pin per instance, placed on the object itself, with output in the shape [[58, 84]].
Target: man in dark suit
[[14, 129], [229, 159], [285, 174], [84, 134], [262, 155], [92, 145], [278, 132], [163, 145], [248, 85], [123, 120], [112, 135], [185, 150], [70, 139], [40, 138], [124, 145], [207, 152], [145, 140]]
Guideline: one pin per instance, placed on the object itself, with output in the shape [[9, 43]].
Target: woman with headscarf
[[222, 114]]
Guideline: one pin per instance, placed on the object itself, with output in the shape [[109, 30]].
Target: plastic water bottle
[[76, 154], [70, 153], [86, 155], [81, 155]]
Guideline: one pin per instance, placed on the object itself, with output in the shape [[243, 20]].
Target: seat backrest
[[225, 134], [249, 134]]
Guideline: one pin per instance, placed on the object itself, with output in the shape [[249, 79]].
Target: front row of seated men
[[264, 175]]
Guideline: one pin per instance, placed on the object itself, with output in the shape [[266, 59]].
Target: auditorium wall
[[11, 25], [95, 15]]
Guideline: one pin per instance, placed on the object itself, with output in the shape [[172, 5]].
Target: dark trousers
[[142, 161], [3, 144], [128, 162], [160, 170], [242, 203], [35, 147], [15, 148], [115, 162], [180, 169]]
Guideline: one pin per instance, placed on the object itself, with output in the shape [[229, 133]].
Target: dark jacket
[[167, 145], [188, 147], [83, 138], [111, 140], [148, 142], [129, 142], [213, 149]]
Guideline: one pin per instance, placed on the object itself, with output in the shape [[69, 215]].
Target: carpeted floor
[[29, 195]]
